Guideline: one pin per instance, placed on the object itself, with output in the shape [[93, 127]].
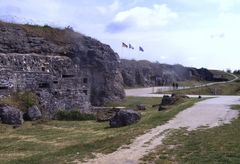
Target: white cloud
[[110, 8], [163, 57], [143, 17], [227, 5], [221, 5]]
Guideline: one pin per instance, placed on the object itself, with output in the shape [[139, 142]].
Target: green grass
[[66, 141], [59, 36], [216, 145], [236, 107], [131, 102], [218, 89], [73, 116]]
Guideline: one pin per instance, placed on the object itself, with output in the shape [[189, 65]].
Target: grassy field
[[216, 145], [218, 89], [66, 141]]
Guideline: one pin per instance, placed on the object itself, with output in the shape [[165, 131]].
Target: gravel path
[[212, 112], [148, 92]]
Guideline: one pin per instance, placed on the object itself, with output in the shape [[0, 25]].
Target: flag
[[124, 45], [141, 49], [130, 46]]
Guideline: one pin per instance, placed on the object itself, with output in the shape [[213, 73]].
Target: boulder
[[10, 115], [167, 100], [173, 99], [141, 107], [33, 114], [124, 117], [105, 114]]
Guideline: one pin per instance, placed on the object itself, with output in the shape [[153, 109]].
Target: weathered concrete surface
[[145, 73], [58, 82], [101, 61], [59, 60]]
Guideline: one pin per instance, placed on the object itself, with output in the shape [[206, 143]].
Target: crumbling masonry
[[59, 83]]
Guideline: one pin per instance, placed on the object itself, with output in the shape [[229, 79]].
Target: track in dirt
[[212, 112]]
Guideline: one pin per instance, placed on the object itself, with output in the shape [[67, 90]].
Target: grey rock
[[124, 118], [10, 115], [33, 114], [167, 100], [141, 107], [171, 100]]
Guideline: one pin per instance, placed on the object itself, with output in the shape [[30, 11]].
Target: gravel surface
[[211, 112]]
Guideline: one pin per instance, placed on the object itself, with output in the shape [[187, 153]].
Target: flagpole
[[122, 51], [128, 51]]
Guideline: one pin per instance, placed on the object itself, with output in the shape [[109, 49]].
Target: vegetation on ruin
[[215, 145], [58, 35], [66, 141], [21, 100]]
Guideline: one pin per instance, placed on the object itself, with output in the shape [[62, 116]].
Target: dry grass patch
[[67, 141]]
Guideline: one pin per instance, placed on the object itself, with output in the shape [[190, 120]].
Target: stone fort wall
[[59, 83]]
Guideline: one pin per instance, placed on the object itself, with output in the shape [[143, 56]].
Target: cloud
[[145, 18], [110, 8], [220, 5], [227, 5]]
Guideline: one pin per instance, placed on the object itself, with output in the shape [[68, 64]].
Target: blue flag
[[130, 46], [124, 45]]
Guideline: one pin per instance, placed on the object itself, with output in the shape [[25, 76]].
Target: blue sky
[[190, 32]]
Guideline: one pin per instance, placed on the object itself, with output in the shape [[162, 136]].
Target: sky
[[196, 33]]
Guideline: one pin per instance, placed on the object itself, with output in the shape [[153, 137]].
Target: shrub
[[21, 100], [28, 99], [73, 116]]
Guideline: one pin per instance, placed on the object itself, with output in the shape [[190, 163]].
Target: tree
[[236, 71], [229, 71]]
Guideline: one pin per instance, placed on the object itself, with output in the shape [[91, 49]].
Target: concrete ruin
[[66, 70], [58, 82]]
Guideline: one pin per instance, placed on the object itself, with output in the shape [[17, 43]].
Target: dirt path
[[211, 112]]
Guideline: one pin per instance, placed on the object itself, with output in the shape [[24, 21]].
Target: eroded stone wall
[[59, 83], [100, 61]]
